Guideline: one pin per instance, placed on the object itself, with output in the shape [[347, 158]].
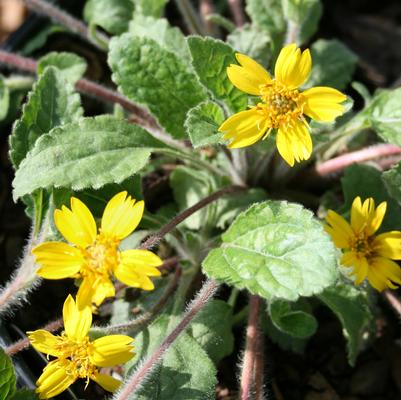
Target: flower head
[[76, 355], [368, 254], [94, 255], [283, 106]]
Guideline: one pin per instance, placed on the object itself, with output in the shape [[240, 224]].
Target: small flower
[[95, 256], [368, 254], [283, 106], [76, 355]]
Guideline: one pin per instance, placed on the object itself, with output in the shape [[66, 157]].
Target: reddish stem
[[237, 12], [341, 162], [248, 365], [393, 300]]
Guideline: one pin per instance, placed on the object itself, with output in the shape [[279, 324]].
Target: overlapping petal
[[341, 227], [45, 342], [121, 216], [388, 245], [76, 321], [77, 224], [57, 260], [107, 382], [111, 350]]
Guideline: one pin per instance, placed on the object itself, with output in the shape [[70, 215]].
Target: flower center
[[362, 244], [280, 104], [77, 353], [102, 256]]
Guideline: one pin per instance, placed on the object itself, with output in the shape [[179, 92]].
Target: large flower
[[76, 355], [95, 256], [368, 254], [283, 106]]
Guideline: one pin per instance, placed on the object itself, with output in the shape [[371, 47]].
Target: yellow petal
[[377, 280], [76, 225], [293, 67], [387, 268], [45, 342], [57, 260], [134, 276], [111, 350], [339, 240], [104, 289], [249, 76], [388, 245], [294, 143], [141, 258], [340, 225], [54, 379], [107, 382], [76, 322], [376, 218], [358, 219], [121, 216], [86, 292], [322, 103], [244, 128]]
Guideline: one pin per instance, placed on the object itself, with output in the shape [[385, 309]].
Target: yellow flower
[[283, 106], [76, 355], [95, 256], [368, 254]]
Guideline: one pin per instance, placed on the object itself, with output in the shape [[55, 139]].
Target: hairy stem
[[394, 301], [259, 369], [165, 229], [292, 32], [339, 163], [24, 343], [135, 380], [248, 365], [67, 20], [237, 12], [190, 17]]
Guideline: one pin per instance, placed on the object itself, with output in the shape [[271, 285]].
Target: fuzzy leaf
[[351, 306], [212, 329], [151, 8], [333, 64], [276, 250], [71, 66], [7, 376], [202, 124], [111, 15], [210, 58], [185, 372], [292, 318], [311, 14], [87, 154], [51, 103], [147, 73], [267, 14]]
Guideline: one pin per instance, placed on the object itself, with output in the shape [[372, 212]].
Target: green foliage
[[51, 103], [185, 372], [168, 37], [111, 15], [267, 15], [276, 250], [24, 394], [212, 329], [151, 8], [252, 41], [203, 122], [4, 98], [351, 307], [366, 181], [210, 58], [70, 66], [294, 319], [109, 151], [147, 73], [7, 376], [333, 64]]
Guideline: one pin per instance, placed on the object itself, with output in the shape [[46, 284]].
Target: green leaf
[[366, 181], [168, 37], [51, 103], [111, 15], [298, 10], [202, 124], [267, 15], [351, 306], [71, 66], [210, 58], [86, 154], [294, 319], [392, 181], [151, 8], [252, 41], [4, 98], [276, 250], [185, 372], [24, 394], [212, 329], [7, 376], [311, 22], [148, 74], [333, 64], [384, 115]]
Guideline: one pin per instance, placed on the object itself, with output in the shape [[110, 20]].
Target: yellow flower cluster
[[93, 258]]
